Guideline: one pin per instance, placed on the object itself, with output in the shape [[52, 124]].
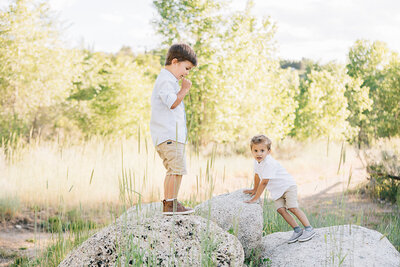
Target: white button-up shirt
[[166, 123], [279, 179]]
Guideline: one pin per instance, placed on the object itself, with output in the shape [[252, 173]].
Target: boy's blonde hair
[[259, 139]]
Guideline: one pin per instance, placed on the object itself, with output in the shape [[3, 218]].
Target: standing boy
[[168, 122], [283, 189]]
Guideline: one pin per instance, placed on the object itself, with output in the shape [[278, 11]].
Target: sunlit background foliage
[[239, 88], [74, 123]]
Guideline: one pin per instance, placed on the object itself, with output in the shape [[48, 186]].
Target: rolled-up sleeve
[[167, 94]]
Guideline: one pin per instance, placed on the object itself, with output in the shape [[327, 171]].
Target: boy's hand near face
[[186, 84]]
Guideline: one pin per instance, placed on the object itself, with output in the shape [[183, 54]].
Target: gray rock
[[145, 237], [343, 245], [140, 211], [233, 215]]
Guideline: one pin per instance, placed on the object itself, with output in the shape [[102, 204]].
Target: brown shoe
[[174, 207]]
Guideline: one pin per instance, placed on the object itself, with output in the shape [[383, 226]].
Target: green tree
[[34, 69], [257, 96], [376, 66], [322, 108], [388, 99], [359, 104], [111, 94], [238, 88]]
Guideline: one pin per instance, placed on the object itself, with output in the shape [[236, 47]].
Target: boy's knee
[[281, 210], [293, 210]]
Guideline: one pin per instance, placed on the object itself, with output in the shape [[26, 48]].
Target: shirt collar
[[267, 158], [169, 75]]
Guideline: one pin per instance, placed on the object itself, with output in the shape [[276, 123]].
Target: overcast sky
[[318, 29]]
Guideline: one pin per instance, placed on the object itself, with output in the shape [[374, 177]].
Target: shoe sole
[[292, 241], [308, 238], [178, 213]]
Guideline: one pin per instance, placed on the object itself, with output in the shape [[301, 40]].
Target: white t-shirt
[[279, 179], [166, 123]]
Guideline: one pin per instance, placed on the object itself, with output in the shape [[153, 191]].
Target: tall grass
[[93, 172], [110, 175]]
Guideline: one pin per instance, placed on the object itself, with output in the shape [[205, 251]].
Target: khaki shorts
[[173, 156], [288, 199]]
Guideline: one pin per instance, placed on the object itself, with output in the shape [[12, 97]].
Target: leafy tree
[[238, 88], [388, 99], [322, 104], [34, 69], [359, 104], [111, 94], [376, 66], [367, 60]]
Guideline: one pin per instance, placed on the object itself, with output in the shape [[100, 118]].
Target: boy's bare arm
[[186, 84], [256, 183], [260, 190]]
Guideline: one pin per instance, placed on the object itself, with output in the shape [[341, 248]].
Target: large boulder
[[233, 215], [140, 211], [345, 245], [143, 236]]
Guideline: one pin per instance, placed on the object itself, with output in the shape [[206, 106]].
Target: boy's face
[[181, 69], [259, 151]]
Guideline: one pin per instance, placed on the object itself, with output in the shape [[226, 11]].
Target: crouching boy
[[270, 174]]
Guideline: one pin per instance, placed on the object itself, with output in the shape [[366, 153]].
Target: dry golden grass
[[98, 170], [91, 179], [91, 172]]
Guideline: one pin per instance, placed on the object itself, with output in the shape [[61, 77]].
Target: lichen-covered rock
[[158, 240], [343, 245], [231, 213]]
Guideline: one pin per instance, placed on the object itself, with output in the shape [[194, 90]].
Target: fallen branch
[[385, 174]]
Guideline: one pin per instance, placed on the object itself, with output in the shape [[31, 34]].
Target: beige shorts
[[173, 156], [288, 199]]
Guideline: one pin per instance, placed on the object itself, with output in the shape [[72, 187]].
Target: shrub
[[384, 177]]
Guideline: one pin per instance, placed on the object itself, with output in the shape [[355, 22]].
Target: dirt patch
[[22, 237], [28, 233], [22, 243]]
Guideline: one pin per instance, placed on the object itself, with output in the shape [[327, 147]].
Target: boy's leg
[[172, 184], [288, 218], [281, 209], [173, 156], [297, 231], [293, 206], [291, 202], [308, 232], [171, 205], [300, 215]]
